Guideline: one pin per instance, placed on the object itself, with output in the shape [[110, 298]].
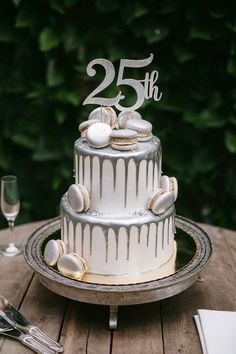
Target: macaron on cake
[[161, 201], [170, 184], [123, 117], [98, 135], [72, 266], [78, 198], [83, 127], [124, 139], [142, 127], [104, 114], [53, 251]]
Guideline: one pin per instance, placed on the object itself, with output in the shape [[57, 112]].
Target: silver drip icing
[[148, 152], [163, 223]]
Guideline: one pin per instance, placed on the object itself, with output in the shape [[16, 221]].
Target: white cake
[[119, 235]]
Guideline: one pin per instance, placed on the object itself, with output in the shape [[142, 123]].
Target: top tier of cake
[[119, 183]]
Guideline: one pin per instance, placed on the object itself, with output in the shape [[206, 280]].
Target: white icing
[[118, 185], [127, 246]]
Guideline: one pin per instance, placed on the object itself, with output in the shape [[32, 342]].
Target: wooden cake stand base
[[193, 252]]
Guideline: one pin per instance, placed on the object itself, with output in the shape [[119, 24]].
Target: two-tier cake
[[119, 215]]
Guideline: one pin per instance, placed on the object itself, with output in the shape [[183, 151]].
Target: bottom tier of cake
[[119, 246]]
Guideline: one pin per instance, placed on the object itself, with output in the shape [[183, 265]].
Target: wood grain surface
[[163, 327]]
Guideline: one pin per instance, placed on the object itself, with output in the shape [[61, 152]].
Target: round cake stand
[[128, 294]]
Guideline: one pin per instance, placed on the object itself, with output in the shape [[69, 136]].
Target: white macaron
[[170, 184], [83, 127], [124, 139], [142, 127], [98, 135], [105, 115], [72, 266], [161, 201], [123, 117], [78, 198], [53, 251]]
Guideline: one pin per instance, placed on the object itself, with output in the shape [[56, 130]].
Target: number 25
[[109, 77]]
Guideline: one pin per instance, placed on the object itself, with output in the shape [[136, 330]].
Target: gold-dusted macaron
[[142, 127], [78, 198], [72, 266], [124, 139], [161, 201], [104, 114]]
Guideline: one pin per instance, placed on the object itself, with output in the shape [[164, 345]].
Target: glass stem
[[11, 227]]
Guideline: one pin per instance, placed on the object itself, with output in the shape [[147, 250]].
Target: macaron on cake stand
[[93, 257]]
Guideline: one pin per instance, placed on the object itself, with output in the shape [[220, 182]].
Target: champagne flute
[[10, 205]]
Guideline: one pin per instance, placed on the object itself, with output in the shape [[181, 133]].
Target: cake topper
[[144, 89]]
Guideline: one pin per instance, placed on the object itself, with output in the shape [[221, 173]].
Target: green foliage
[[45, 47]]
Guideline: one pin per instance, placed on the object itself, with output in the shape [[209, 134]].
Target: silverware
[[26, 339], [16, 319]]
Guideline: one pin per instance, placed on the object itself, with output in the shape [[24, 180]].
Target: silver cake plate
[[194, 250]]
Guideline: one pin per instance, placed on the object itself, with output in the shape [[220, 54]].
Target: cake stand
[[194, 250]]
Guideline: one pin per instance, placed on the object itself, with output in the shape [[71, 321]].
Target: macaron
[[104, 114], [123, 117], [53, 251], [161, 201], [142, 127], [83, 127], [72, 266], [169, 184], [78, 197], [124, 139], [98, 135]]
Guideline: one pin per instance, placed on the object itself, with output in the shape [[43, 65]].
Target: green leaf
[[231, 66], [37, 91], [231, 24], [140, 9], [230, 141], [5, 157], [60, 115], [204, 119], [134, 10], [54, 76], [154, 35], [101, 5], [46, 155], [57, 5], [24, 19], [48, 39], [182, 53], [24, 140], [168, 107], [72, 97], [169, 6], [6, 33], [70, 38], [16, 2], [217, 10], [200, 33]]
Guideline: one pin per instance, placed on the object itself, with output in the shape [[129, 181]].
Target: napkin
[[217, 331]]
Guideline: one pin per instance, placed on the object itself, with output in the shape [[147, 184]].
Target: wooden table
[[164, 327]]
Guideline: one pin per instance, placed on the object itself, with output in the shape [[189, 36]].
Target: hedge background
[[45, 47]]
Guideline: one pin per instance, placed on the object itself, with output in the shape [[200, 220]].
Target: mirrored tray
[[194, 250]]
